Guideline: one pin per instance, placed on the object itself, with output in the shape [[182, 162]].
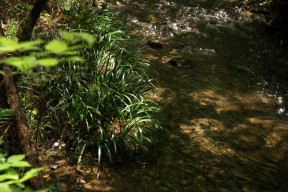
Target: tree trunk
[[30, 23], [23, 132], [25, 135]]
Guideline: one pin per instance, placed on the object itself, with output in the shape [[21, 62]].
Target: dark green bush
[[99, 104]]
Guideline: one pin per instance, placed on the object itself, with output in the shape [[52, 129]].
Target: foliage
[[98, 104], [5, 116], [10, 179], [55, 51]]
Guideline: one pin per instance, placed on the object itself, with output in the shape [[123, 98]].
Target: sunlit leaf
[[34, 111], [31, 173], [9, 175], [68, 36], [74, 59], [76, 47], [56, 46], [30, 190], [48, 62], [76, 37], [5, 188], [7, 45], [20, 164], [90, 39], [10, 45], [15, 158], [4, 166], [23, 63], [8, 42], [71, 53], [29, 45]]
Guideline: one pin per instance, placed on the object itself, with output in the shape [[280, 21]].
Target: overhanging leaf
[[5, 188], [69, 36], [31, 173], [74, 59], [76, 37], [48, 62], [20, 164], [7, 45], [90, 39], [56, 46], [9, 175], [71, 53], [8, 42], [29, 45], [15, 158], [4, 166], [23, 63]]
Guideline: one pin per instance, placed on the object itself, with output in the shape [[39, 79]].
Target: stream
[[222, 85]]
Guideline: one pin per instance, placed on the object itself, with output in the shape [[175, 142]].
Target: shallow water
[[227, 128]]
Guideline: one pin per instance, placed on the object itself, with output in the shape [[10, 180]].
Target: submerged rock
[[154, 44], [182, 63]]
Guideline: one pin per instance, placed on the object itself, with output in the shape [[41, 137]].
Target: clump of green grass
[[100, 104]]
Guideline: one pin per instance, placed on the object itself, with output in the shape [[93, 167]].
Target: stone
[[182, 63], [154, 44]]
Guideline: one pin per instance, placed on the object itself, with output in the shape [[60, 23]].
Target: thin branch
[[5, 131]]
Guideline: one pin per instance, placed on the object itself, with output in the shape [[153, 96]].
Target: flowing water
[[228, 125]]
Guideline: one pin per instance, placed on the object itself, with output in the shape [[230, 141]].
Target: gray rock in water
[[182, 63]]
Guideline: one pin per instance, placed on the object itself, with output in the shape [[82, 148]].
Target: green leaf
[[90, 39], [29, 174], [56, 46], [29, 45], [10, 45], [15, 158], [8, 42], [7, 45], [4, 166], [71, 53], [5, 188], [69, 36], [42, 190], [20, 164], [23, 63], [6, 115], [74, 59], [27, 189], [9, 175], [48, 62], [76, 37]]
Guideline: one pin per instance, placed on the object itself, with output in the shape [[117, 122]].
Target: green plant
[[10, 179], [55, 51], [5, 116], [100, 104], [12, 28]]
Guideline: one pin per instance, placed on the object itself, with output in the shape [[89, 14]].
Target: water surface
[[227, 128]]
